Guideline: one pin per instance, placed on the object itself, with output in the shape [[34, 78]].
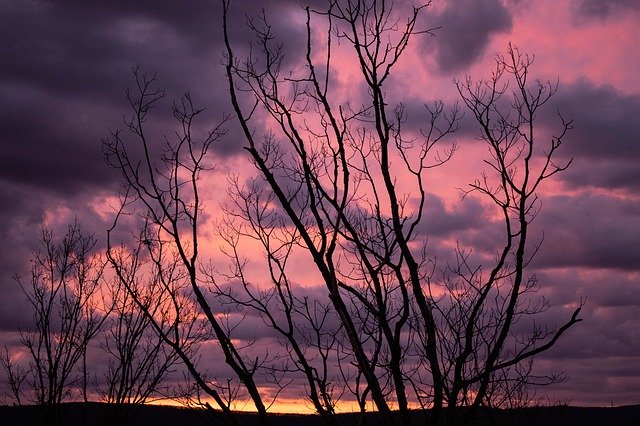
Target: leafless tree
[[489, 307], [139, 361], [16, 374], [302, 322], [343, 181], [349, 182], [162, 188], [63, 293], [334, 179]]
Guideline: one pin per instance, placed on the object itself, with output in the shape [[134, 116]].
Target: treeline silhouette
[[81, 414]]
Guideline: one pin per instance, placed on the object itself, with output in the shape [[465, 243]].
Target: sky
[[65, 67]]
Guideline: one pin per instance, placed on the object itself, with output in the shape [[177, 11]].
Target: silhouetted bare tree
[[489, 354], [302, 322], [16, 374], [139, 360], [163, 189], [349, 182], [68, 313], [342, 180]]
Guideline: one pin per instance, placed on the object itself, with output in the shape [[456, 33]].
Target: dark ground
[[96, 414]]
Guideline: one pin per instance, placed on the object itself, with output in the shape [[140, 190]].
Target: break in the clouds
[[464, 31], [65, 67]]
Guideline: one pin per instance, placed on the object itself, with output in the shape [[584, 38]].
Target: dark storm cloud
[[594, 376], [50, 142], [19, 231], [596, 336], [64, 72], [603, 9], [64, 68], [81, 54], [70, 49], [621, 174], [589, 230], [601, 351], [606, 124], [605, 140], [442, 222], [466, 30], [611, 306], [601, 288]]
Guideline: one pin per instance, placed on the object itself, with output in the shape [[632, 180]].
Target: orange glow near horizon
[[281, 406]]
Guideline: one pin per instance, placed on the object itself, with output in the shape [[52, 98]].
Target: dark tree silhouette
[[349, 182], [163, 189], [342, 181], [139, 361], [68, 313]]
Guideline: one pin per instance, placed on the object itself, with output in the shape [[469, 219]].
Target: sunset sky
[[65, 67]]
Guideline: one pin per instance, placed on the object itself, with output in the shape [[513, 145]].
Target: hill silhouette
[[81, 414]]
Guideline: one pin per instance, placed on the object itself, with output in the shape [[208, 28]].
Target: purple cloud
[[466, 28], [601, 10]]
